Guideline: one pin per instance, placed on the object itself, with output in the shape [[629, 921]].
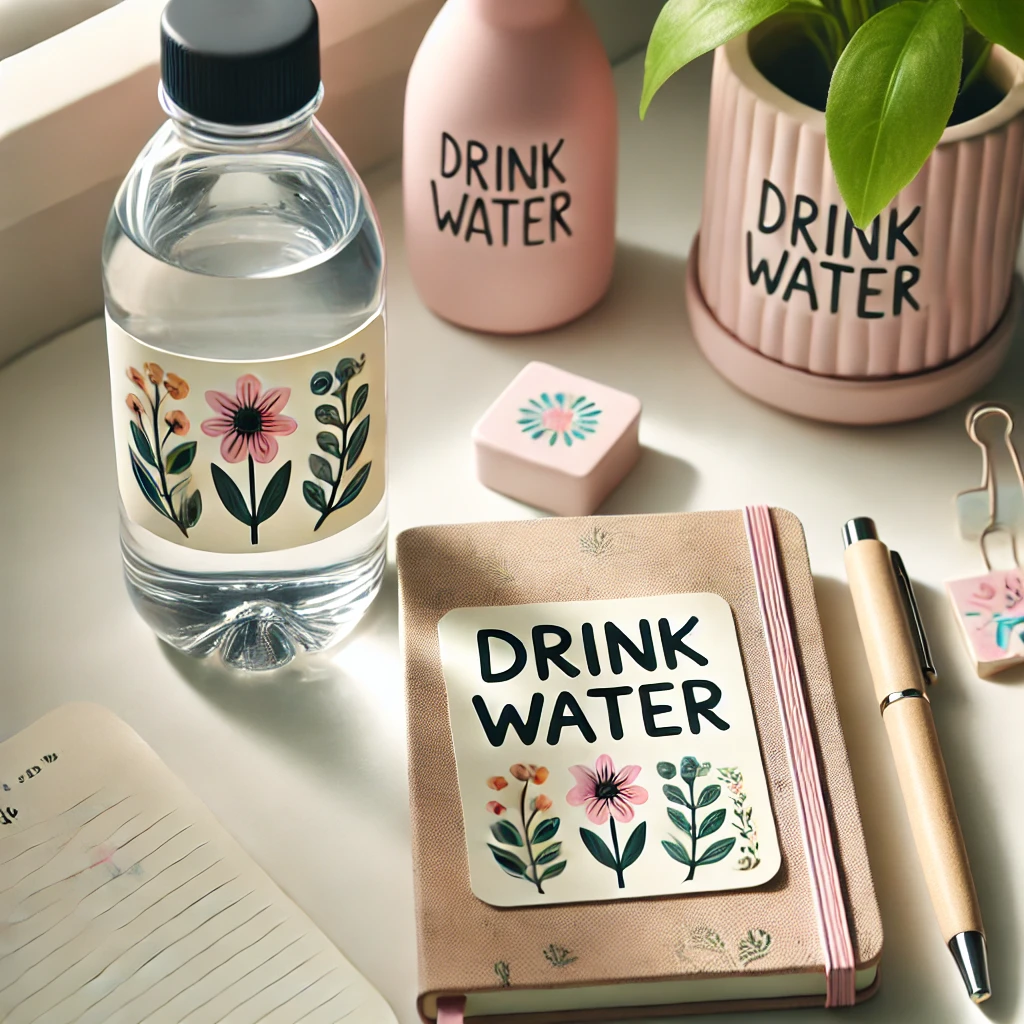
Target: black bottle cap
[[240, 62]]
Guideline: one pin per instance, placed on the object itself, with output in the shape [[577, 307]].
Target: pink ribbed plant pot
[[797, 308]]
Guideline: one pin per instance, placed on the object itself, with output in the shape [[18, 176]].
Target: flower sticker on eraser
[[557, 441], [990, 610]]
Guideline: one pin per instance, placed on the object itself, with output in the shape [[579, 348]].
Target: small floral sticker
[[536, 830], [695, 825], [743, 814], [248, 423], [608, 796], [562, 416], [160, 460]]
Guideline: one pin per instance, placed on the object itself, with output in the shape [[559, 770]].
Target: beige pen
[[901, 668]]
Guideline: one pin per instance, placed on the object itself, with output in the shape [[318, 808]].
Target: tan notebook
[[603, 813], [122, 900]]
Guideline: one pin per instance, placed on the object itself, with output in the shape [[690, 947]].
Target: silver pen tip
[[861, 528], [971, 956]]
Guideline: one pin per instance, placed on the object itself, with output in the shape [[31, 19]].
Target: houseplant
[[863, 199]]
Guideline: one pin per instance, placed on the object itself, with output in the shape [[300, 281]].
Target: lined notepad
[[123, 900]]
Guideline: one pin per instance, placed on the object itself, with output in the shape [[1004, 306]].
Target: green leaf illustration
[[755, 946], [597, 847], [275, 492], [553, 871], [321, 468], [357, 442], [193, 509], [666, 770], [717, 851], [688, 768], [314, 495], [676, 851], [142, 443], [708, 795], [230, 496], [679, 819], [321, 382], [341, 393], [328, 442], [545, 830], [508, 861], [355, 485], [505, 832], [359, 399], [634, 845], [347, 368], [550, 854], [180, 458], [328, 414], [146, 485], [712, 823], [675, 794], [704, 769]]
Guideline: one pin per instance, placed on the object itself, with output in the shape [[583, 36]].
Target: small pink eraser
[[557, 441]]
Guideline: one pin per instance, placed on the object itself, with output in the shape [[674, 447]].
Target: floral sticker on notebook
[[524, 848], [588, 703]]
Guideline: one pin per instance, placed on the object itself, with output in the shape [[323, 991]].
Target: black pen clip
[[914, 617]]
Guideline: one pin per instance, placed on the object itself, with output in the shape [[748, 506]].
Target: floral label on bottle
[[231, 456], [606, 750]]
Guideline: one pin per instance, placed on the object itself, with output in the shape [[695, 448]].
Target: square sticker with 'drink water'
[[606, 750]]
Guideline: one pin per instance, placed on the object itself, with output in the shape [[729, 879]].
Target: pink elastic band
[[833, 926], [451, 1009]]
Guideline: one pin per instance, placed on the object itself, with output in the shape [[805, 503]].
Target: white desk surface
[[308, 769]]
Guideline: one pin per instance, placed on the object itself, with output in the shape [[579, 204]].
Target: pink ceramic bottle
[[509, 164]]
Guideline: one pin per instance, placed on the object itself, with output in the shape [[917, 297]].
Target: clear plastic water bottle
[[244, 277]]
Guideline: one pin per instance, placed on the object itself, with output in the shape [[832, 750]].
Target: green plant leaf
[[193, 509], [712, 823], [142, 443], [704, 769], [717, 851], [230, 496], [675, 794], [321, 468], [891, 96], [676, 851], [708, 795], [666, 769], [687, 28], [597, 847], [1001, 21], [508, 861], [545, 830], [275, 492], [550, 854], [688, 768], [551, 872], [505, 832], [359, 399], [357, 441], [634, 845], [328, 442], [347, 368], [679, 819], [314, 495], [355, 485], [146, 485], [180, 458], [328, 414], [341, 393], [976, 55], [321, 382]]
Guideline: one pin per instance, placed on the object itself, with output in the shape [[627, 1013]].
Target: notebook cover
[[467, 945]]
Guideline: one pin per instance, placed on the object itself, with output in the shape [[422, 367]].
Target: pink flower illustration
[[603, 791], [249, 420]]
